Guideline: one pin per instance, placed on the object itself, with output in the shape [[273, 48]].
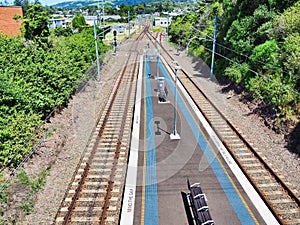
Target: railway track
[[94, 195], [280, 199]]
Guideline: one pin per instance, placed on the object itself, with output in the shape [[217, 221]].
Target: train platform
[[160, 166]]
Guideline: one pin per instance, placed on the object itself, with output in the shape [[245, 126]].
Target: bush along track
[[36, 77], [256, 47]]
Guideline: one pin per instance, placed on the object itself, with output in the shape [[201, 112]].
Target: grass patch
[[35, 183], [27, 205]]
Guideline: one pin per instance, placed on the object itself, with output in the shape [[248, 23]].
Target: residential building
[[9, 25], [162, 21], [60, 21], [90, 20]]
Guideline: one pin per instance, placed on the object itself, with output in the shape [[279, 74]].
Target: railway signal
[[115, 41], [180, 41], [181, 34]]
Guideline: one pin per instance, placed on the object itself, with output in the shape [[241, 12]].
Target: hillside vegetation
[[37, 74], [257, 47]]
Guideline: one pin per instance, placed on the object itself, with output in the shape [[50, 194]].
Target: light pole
[[174, 135], [157, 59]]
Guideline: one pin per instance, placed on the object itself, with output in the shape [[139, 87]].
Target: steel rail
[[114, 168], [67, 217]]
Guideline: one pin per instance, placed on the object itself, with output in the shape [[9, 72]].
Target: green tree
[[288, 22], [291, 56], [36, 22], [266, 57], [78, 22], [37, 80], [24, 3], [59, 31]]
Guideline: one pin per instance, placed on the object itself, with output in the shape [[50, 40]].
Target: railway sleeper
[[292, 221], [249, 160], [85, 220], [286, 207], [291, 217]]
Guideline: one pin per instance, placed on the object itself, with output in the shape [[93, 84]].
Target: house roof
[[8, 25]]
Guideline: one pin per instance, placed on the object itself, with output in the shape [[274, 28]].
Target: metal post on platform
[[174, 135], [157, 70], [97, 54]]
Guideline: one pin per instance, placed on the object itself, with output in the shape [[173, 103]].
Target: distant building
[[162, 21], [90, 20], [110, 17], [119, 28], [60, 21], [9, 25]]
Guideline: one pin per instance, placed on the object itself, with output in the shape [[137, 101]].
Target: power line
[[261, 75], [241, 54]]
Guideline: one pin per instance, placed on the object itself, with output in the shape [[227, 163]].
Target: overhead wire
[[246, 56], [263, 63], [261, 75]]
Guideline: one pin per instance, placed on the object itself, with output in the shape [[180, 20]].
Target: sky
[[51, 2], [45, 2]]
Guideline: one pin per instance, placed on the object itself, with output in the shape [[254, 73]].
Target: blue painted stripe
[[151, 200], [233, 197]]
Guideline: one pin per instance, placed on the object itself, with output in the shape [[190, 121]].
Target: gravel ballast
[[74, 124]]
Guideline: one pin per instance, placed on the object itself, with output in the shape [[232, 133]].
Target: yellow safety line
[[230, 179], [144, 166]]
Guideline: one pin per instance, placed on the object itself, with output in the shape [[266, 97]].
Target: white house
[[162, 21], [60, 21], [90, 20]]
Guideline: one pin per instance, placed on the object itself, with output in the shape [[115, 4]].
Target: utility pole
[[168, 23], [214, 49], [153, 23], [103, 12], [99, 13], [97, 54], [128, 24]]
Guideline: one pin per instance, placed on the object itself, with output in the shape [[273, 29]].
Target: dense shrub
[[35, 78], [257, 44]]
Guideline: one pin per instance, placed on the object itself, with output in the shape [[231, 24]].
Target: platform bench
[[199, 205]]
